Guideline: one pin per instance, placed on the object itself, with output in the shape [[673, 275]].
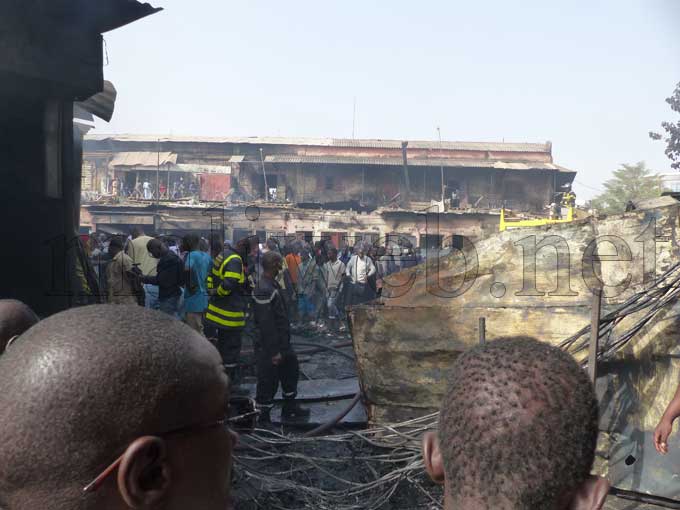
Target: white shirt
[[360, 270]]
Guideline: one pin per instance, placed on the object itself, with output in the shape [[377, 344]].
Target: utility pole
[[354, 117], [441, 161], [264, 174], [158, 171], [593, 347], [407, 182]]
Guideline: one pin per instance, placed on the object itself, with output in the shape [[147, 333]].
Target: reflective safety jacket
[[227, 287]]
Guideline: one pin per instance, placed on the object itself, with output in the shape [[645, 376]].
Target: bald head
[[81, 385], [15, 318]]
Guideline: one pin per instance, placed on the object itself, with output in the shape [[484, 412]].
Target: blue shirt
[[196, 296]]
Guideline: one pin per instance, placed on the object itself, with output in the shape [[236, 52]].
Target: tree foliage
[[630, 183], [672, 129]]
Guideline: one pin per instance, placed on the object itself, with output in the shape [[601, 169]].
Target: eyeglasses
[[242, 418]]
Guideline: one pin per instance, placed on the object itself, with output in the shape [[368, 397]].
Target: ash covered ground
[[300, 474]]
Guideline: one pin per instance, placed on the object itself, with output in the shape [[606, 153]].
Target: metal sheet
[[122, 219], [215, 187], [169, 222], [323, 412], [445, 162], [545, 148], [318, 389], [149, 159], [102, 104], [203, 169]]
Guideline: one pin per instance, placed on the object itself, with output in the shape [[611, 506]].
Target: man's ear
[[434, 465], [591, 494], [144, 473]]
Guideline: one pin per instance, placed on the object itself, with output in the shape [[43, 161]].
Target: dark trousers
[[228, 345], [269, 376], [361, 293]]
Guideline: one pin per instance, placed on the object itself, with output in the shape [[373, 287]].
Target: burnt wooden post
[[482, 330], [594, 334], [407, 182]]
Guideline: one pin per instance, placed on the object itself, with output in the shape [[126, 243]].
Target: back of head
[[116, 244], [216, 244], [203, 245], [270, 259], [191, 241], [15, 318], [137, 232], [272, 244], [81, 385], [518, 426]]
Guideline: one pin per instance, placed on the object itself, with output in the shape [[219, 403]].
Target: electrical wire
[[384, 460]]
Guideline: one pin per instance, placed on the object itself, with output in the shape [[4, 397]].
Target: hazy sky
[[591, 76]]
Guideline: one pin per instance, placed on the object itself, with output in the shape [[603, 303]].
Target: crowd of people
[[225, 290]]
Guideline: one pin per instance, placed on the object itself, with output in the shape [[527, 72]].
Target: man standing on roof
[[226, 314]]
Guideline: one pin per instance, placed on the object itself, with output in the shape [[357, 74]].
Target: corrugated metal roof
[[151, 159], [334, 142], [654, 203], [91, 15], [101, 104], [448, 163]]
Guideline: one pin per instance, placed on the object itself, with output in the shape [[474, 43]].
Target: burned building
[[429, 192], [52, 56]]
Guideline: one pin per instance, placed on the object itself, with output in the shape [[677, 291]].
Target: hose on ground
[[327, 347], [337, 419], [644, 498]]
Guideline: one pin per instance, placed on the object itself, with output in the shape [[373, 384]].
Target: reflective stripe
[[226, 313], [221, 292], [231, 324], [216, 272], [230, 274], [265, 301]]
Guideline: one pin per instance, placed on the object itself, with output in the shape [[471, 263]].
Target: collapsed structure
[[541, 282], [340, 189]]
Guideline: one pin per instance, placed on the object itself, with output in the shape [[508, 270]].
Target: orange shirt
[[293, 262]]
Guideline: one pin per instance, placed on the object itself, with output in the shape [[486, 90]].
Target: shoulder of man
[[126, 259], [265, 292], [232, 259]]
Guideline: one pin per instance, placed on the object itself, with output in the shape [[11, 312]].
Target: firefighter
[[569, 199], [276, 359], [226, 314]]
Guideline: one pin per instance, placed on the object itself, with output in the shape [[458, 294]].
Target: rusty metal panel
[[215, 187]]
